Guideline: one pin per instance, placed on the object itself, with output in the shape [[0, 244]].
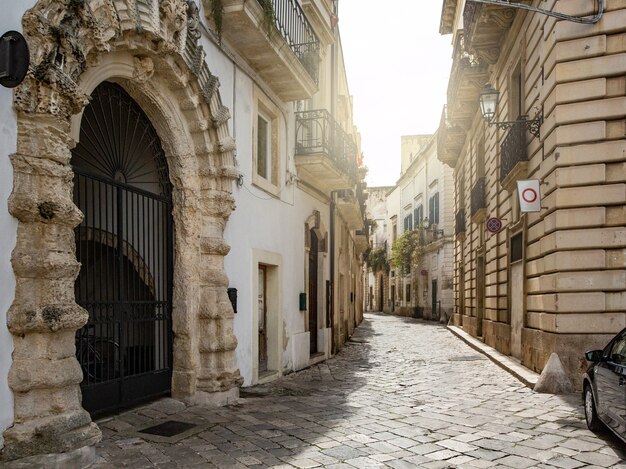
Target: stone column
[[43, 318], [218, 377]]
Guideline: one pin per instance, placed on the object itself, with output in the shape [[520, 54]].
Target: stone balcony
[[350, 209], [485, 26], [467, 78], [360, 240], [450, 138], [285, 54], [326, 156]]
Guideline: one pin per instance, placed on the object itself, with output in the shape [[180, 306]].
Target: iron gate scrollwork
[[125, 247]]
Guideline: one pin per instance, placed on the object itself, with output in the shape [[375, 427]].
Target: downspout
[[333, 347], [333, 110]]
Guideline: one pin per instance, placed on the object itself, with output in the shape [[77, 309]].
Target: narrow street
[[403, 393]]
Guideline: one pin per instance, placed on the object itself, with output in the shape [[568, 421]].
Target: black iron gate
[[124, 245]]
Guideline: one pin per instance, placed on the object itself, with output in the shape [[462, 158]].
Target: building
[[421, 202], [551, 281], [377, 276], [140, 127]]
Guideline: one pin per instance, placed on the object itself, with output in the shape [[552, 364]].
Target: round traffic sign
[[494, 225], [529, 195]]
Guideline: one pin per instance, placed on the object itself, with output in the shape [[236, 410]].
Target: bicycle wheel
[[107, 359]]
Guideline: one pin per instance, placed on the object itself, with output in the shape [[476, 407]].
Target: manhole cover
[[168, 429]]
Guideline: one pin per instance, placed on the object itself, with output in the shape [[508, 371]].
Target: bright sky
[[398, 66]]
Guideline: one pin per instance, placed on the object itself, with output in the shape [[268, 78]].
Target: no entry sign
[[529, 195], [494, 225]]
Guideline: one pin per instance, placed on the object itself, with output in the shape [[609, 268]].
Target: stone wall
[[152, 51]]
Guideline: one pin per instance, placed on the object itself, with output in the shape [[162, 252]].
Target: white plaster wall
[[9, 20], [262, 221]]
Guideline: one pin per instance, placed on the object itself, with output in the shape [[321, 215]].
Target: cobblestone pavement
[[403, 393]]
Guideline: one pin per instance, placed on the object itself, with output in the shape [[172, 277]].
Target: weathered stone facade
[[151, 49], [562, 288]]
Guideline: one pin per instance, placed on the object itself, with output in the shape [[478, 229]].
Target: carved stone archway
[[151, 49]]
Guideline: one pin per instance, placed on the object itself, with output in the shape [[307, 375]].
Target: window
[[418, 215], [408, 222], [517, 247], [266, 152], [408, 293], [264, 149], [433, 209], [516, 94], [480, 159]]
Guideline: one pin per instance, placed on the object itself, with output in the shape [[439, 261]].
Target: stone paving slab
[[403, 393]]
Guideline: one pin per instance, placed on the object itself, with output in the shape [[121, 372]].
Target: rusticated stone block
[[45, 318], [53, 434]]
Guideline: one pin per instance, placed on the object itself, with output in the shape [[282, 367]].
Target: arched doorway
[[125, 247]]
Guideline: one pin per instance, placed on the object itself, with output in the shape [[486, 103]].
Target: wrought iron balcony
[[459, 222], [298, 33], [326, 156], [288, 58], [478, 201], [485, 27], [514, 154]]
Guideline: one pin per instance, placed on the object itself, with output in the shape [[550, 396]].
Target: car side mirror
[[594, 356]]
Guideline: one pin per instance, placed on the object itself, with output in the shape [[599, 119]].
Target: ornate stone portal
[[151, 49]]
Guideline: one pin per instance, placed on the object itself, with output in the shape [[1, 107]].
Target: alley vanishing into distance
[[403, 393]]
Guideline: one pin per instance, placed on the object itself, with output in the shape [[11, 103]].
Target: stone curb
[[526, 376]]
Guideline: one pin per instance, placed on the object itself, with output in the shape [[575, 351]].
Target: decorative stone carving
[[144, 69], [68, 40], [173, 15]]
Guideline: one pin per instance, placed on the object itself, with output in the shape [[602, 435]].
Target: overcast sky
[[398, 66]]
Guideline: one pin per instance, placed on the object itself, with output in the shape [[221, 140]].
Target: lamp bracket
[[521, 6], [532, 125]]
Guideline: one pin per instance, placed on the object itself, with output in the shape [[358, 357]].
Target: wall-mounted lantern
[[488, 100], [14, 59]]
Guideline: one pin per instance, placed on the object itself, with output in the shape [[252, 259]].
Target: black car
[[604, 387]]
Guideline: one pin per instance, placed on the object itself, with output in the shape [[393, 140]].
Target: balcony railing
[[478, 196], [459, 222], [317, 132], [295, 28], [513, 149]]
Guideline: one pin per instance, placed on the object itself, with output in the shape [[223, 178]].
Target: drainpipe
[[333, 111], [333, 347]]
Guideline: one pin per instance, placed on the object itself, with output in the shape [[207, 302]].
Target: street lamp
[[14, 59], [488, 100]]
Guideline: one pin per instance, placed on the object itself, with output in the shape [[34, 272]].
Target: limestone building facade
[[139, 128], [554, 280], [422, 201], [377, 279]]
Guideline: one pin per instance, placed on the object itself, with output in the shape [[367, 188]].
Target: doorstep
[[510, 364]]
